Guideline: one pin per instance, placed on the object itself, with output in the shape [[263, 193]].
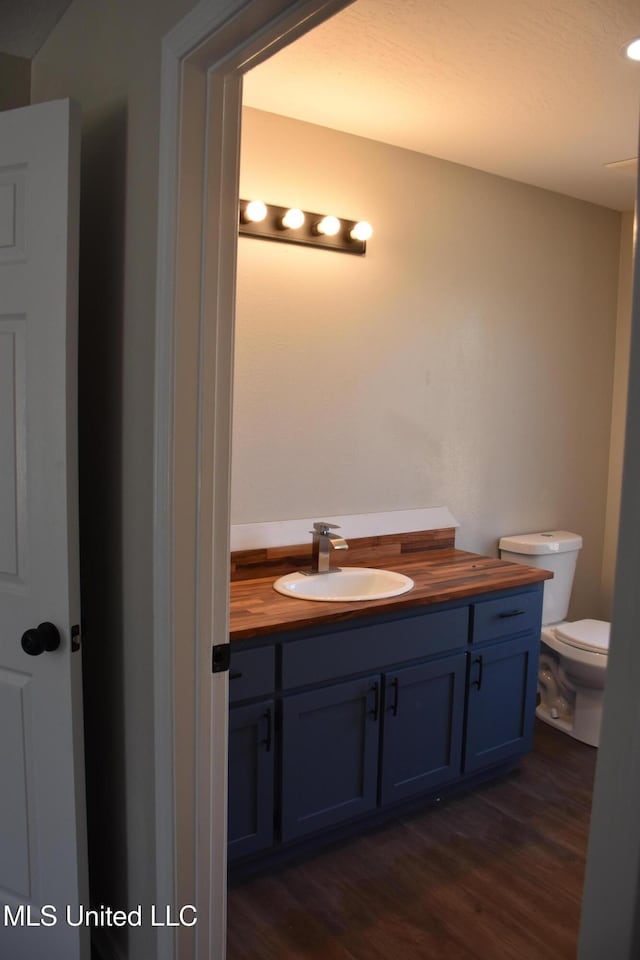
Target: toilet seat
[[591, 636]]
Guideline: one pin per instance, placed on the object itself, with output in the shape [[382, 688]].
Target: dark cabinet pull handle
[[512, 613], [375, 689], [478, 682], [267, 740], [235, 674], [394, 706]]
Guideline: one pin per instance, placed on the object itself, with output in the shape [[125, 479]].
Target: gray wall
[[466, 360], [15, 81], [107, 57]]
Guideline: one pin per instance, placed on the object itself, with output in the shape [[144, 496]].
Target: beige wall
[[618, 410], [107, 56], [15, 81], [467, 360]]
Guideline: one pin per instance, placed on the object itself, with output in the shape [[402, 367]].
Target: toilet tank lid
[[551, 541]]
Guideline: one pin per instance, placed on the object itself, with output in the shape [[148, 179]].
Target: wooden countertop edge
[[469, 574]]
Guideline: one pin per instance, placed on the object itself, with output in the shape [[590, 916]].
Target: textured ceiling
[[533, 90], [26, 24]]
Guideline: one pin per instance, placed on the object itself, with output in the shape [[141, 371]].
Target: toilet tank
[[555, 550]]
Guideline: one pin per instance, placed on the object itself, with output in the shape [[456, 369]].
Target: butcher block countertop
[[440, 573]]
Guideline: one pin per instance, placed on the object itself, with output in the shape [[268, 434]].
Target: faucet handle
[[322, 527]]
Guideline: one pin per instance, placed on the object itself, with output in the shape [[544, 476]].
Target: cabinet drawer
[[356, 650], [251, 673], [493, 619]]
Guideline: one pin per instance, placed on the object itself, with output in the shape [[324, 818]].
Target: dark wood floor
[[492, 875]]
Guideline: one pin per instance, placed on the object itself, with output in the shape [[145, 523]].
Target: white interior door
[[42, 816]]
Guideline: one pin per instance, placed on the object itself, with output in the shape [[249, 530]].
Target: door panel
[[501, 702], [329, 755], [12, 436], [16, 765], [422, 735], [42, 822], [251, 798]]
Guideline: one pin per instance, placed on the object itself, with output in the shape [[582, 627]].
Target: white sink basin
[[350, 583]]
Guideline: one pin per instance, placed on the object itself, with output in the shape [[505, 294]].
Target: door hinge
[[220, 658]]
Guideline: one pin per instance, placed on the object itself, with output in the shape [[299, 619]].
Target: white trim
[[203, 59], [164, 702], [285, 533]]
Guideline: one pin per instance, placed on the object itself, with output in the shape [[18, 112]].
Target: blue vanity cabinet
[[422, 727], [330, 724], [501, 702], [333, 765], [251, 779], [503, 677], [252, 751], [329, 755]]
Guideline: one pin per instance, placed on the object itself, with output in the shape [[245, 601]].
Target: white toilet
[[573, 656]]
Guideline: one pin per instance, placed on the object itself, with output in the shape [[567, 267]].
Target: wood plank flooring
[[495, 874]]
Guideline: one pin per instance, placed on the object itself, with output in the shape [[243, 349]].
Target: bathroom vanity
[[342, 712]]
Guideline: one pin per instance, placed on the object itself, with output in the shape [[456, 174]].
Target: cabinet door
[[501, 702], [422, 727], [250, 779], [329, 755]]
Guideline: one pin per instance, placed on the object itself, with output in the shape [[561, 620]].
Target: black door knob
[[45, 637]]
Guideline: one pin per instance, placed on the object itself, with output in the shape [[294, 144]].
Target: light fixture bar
[[273, 227]]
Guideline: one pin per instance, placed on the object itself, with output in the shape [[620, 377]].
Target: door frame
[[203, 60]]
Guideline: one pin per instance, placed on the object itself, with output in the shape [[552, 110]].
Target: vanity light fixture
[[328, 226], [632, 49], [361, 231], [270, 222], [255, 211], [293, 219]]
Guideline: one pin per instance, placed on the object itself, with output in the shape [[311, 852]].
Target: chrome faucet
[[323, 542]]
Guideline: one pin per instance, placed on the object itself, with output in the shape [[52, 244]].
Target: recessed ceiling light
[[632, 49]]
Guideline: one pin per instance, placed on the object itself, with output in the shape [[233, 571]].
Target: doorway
[[337, 336], [193, 434]]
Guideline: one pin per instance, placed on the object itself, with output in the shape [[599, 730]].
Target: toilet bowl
[[571, 677], [573, 655]]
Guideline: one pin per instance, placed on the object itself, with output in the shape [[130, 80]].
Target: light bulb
[[255, 211], [293, 219], [328, 226], [633, 49], [361, 231]]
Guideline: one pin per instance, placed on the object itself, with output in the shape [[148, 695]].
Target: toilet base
[[584, 725]]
